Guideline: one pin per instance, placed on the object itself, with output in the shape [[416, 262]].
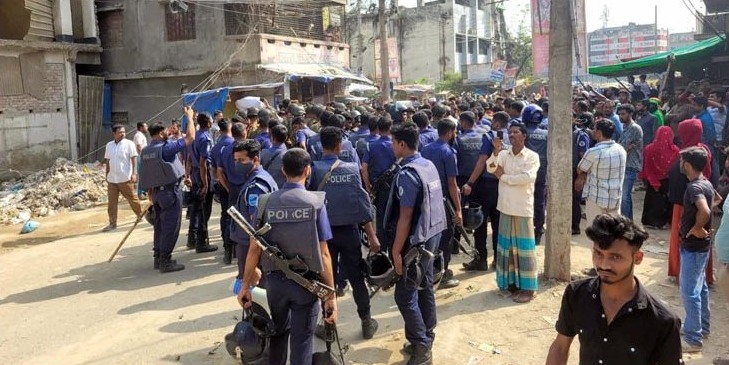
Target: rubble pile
[[64, 186]]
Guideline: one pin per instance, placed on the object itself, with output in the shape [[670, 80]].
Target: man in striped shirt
[[601, 172]]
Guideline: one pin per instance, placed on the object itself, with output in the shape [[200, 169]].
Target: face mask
[[243, 169]]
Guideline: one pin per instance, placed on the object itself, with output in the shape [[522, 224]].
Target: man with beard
[[618, 321]]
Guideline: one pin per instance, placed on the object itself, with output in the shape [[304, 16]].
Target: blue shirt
[[264, 140], [708, 136], [618, 126], [201, 148], [303, 134], [426, 137], [216, 151], [171, 148], [322, 219], [227, 162], [379, 157], [442, 155]]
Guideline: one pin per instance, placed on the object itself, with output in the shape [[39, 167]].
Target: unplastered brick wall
[[53, 95]]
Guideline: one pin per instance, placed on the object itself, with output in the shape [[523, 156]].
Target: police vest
[[292, 214], [537, 142], [346, 201], [258, 179], [155, 171], [431, 218], [468, 149], [272, 162], [578, 137], [360, 144]]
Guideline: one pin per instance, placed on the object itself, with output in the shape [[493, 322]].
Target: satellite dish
[[177, 6]]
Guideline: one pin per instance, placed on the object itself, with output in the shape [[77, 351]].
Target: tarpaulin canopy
[[685, 57], [318, 71]]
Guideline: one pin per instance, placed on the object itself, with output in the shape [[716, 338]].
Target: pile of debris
[[64, 186]]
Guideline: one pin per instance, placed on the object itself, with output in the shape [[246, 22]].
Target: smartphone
[[500, 134]]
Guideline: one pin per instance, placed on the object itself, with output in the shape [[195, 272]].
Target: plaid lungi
[[516, 259]]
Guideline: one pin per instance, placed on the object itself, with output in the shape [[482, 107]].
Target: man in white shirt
[[120, 158], [516, 258], [140, 141]]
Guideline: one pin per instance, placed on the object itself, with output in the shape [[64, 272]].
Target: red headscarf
[[658, 157], [689, 131]]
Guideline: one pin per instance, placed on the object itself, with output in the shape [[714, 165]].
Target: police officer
[[580, 145], [417, 217], [427, 134], [232, 181], [348, 205], [537, 141], [202, 190], [160, 174], [300, 226], [303, 133], [247, 158], [377, 159], [313, 144], [467, 145], [221, 185], [271, 157], [264, 120], [366, 134], [443, 156]]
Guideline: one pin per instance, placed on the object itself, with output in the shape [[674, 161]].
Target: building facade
[[47, 48], [609, 46]]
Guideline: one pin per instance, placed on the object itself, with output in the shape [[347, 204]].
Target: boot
[[448, 281], [157, 261], [203, 247], [369, 327], [166, 264], [421, 356], [538, 238], [228, 255], [190, 240], [476, 265]]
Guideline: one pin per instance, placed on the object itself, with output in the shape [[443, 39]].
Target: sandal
[[524, 296]]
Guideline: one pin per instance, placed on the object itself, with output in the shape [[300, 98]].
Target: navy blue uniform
[[303, 135], [235, 181], [202, 201], [167, 204], [379, 157], [264, 139], [537, 142], [224, 142], [426, 137], [443, 156], [580, 145], [316, 151], [271, 160], [486, 193]]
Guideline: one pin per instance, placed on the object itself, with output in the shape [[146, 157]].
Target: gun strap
[[268, 164], [324, 181]]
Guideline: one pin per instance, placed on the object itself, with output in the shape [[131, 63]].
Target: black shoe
[[476, 265], [421, 356], [190, 240], [228, 255], [205, 248], [157, 261], [538, 238], [448, 281], [408, 348], [169, 265], [369, 327], [342, 289], [576, 232]]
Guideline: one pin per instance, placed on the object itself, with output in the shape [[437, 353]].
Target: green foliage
[[519, 46], [452, 82]]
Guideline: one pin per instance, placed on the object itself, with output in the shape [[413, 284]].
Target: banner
[[509, 78], [498, 68], [394, 64]]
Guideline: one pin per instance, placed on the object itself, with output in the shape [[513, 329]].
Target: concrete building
[[425, 41], [678, 40], [609, 46], [154, 51], [47, 105]]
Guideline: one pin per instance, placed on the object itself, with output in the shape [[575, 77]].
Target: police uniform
[[580, 144], [259, 182], [426, 137], [486, 193], [272, 162], [235, 181], [350, 206], [537, 142], [264, 139], [303, 135], [467, 146], [224, 142], [316, 151], [417, 185], [160, 175], [443, 156], [202, 202], [299, 223], [361, 141], [379, 157]]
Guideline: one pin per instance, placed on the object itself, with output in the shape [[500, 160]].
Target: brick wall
[[53, 95]]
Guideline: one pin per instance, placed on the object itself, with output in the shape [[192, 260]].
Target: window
[[236, 19], [483, 47], [460, 43], [111, 29], [181, 25]]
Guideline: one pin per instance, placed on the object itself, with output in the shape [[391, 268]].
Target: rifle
[[452, 211], [385, 180], [293, 268]]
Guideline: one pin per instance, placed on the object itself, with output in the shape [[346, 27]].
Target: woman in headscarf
[[657, 159], [689, 132]]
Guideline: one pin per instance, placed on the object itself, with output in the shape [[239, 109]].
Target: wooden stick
[[139, 218]]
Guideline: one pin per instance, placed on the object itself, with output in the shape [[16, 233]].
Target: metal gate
[[90, 138]]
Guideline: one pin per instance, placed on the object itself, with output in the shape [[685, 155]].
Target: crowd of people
[[398, 177]]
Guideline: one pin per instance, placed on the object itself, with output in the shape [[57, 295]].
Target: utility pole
[[384, 54], [360, 38], [559, 174]]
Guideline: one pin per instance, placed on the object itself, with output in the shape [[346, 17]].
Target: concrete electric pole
[[384, 54], [559, 174]]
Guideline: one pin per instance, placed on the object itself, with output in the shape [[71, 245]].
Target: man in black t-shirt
[[695, 233], [618, 322]]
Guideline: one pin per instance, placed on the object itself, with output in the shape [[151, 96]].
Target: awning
[[318, 71], [685, 57]]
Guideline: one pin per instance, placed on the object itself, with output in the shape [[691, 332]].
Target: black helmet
[[438, 267], [149, 215], [472, 216], [379, 271], [248, 342], [297, 110]]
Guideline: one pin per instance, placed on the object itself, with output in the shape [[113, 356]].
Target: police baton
[[139, 218]]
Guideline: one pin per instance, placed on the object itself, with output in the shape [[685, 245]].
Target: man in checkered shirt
[[601, 172]]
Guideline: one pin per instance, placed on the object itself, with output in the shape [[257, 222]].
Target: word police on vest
[[288, 215], [341, 179]]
